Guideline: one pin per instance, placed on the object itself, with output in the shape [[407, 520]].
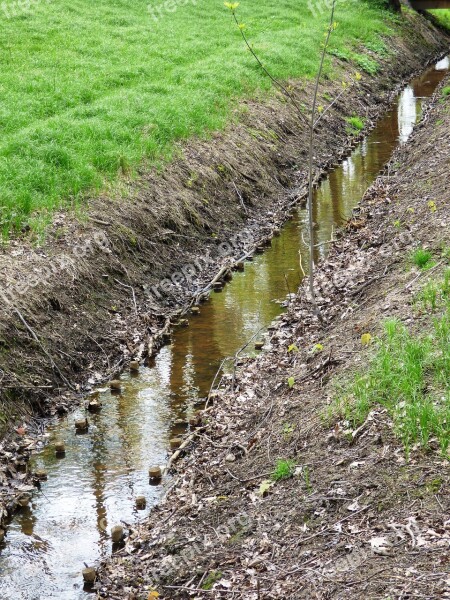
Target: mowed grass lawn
[[91, 90]]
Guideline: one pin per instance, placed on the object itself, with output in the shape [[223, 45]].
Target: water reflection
[[95, 485]]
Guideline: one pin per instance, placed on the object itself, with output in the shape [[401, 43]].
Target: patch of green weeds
[[410, 376], [283, 469], [434, 294], [356, 124], [378, 46], [211, 579], [421, 258], [367, 64]]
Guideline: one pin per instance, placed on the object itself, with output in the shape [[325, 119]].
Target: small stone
[[89, 574], [230, 457], [260, 249], [60, 448], [276, 232], [115, 385], [259, 345], [117, 534], [141, 502], [175, 443], [41, 475], [155, 473], [218, 286], [195, 310], [2, 535], [134, 366], [228, 276], [183, 323], [81, 424], [239, 266]]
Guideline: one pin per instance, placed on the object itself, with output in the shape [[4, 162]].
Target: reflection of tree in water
[[26, 520], [100, 460], [229, 319]]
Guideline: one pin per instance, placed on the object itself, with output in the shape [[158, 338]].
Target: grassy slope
[[90, 90]]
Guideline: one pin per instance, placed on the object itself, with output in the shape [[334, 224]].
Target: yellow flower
[[366, 338], [358, 76], [231, 5], [432, 206]]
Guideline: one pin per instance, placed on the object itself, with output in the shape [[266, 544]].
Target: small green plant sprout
[[434, 294], [397, 224], [291, 382], [356, 124], [212, 578], [293, 348], [446, 91], [288, 430], [432, 206], [284, 469], [366, 338], [317, 348], [421, 258], [429, 296], [307, 478], [411, 210], [445, 253]]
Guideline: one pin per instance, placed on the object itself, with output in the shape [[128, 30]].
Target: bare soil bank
[[73, 311], [357, 520]]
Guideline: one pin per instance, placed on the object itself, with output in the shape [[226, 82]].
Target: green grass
[[446, 91], [434, 295], [442, 17], [421, 258], [409, 375], [356, 124], [91, 91], [211, 579], [283, 470]]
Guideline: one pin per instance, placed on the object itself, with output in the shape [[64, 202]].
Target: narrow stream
[[95, 485]]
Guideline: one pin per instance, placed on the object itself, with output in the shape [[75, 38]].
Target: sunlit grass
[[409, 375], [91, 90]]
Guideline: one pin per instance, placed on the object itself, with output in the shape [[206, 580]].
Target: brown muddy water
[[95, 485]]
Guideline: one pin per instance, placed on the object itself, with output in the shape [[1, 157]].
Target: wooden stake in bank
[[117, 534], [155, 473], [89, 574], [60, 448], [141, 502], [81, 425]]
